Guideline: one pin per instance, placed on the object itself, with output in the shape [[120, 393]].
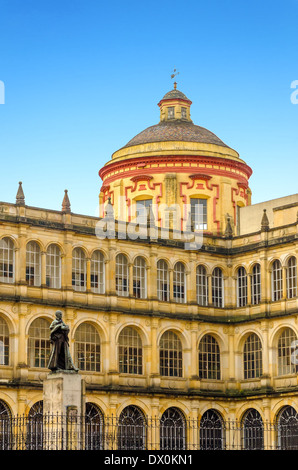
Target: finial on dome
[[175, 85]]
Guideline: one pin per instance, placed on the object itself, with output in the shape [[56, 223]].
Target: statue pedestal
[[63, 409]]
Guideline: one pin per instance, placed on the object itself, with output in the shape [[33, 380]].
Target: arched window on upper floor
[[252, 357], [285, 349], [39, 343], [7, 260], [97, 272], [87, 348], [53, 267], [292, 278], [130, 351], [202, 285], [209, 358], [276, 280], [179, 283], [256, 284], [33, 264], [217, 282], [122, 275], [4, 343], [163, 290], [79, 270], [170, 355], [140, 278], [241, 287]]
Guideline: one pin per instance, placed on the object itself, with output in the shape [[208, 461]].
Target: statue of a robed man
[[60, 358]]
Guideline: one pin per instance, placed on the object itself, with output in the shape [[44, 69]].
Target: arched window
[[122, 278], [53, 267], [34, 440], [202, 286], [39, 343], [6, 437], [179, 290], [87, 348], [33, 264], [139, 278], [276, 280], [97, 272], [285, 350], [131, 429], [292, 278], [130, 352], [241, 287], [287, 429], [170, 354], [217, 288], [163, 291], [252, 357], [209, 358], [94, 428], [256, 285], [252, 431], [172, 430], [79, 268], [4, 343], [211, 431], [7, 262]]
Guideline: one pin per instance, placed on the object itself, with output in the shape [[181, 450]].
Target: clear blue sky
[[82, 77]]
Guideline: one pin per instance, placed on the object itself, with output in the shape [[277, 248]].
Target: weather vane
[[173, 75]]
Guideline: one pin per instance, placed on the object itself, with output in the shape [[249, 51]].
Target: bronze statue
[[60, 358]]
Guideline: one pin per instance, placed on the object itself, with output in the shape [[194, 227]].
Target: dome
[[176, 130], [175, 94]]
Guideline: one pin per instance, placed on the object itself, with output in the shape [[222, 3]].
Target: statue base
[[63, 390]]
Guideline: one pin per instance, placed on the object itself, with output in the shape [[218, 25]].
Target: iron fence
[[72, 432]]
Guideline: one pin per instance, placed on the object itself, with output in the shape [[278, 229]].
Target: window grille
[[170, 355], [241, 287], [7, 260], [285, 363], [256, 285], [287, 426], [217, 288], [39, 343], [212, 431], [252, 357], [179, 281], [4, 343], [53, 267], [277, 279], [131, 429], [130, 352], [209, 358], [292, 278], [162, 280], [252, 431], [172, 430], [97, 272], [87, 348], [79, 270], [33, 264], [202, 286], [139, 278]]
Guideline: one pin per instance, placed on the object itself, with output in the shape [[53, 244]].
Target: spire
[[109, 209], [265, 222], [20, 198], [66, 203]]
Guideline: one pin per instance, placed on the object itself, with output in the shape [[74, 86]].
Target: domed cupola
[[177, 163]]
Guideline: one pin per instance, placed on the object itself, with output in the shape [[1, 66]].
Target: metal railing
[[57, 432]]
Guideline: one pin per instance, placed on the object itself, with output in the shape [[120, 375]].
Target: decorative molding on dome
[[201, 176]]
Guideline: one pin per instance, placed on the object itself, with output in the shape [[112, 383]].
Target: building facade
[[160, 329]]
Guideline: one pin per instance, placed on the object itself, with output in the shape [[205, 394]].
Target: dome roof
[[175, 130], [175, 94]]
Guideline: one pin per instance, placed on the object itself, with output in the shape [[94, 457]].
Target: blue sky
[[82, 77]]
